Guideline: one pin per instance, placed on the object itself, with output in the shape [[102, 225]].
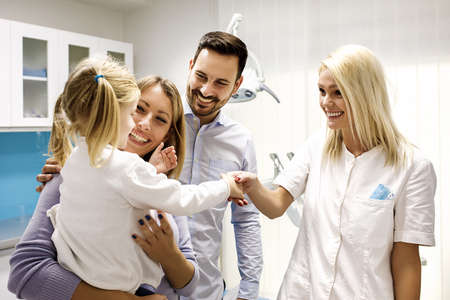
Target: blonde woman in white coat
[[369, 193]]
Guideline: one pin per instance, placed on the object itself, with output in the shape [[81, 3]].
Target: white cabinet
[[119, 50], [5, 77], [35, 62], [73, 48], [34, 74]]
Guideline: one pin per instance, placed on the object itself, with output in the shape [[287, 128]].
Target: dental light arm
[[264, 87], [236, 19], [253, 79]]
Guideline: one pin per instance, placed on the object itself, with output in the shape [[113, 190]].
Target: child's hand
[[164, 160], [236, 194]]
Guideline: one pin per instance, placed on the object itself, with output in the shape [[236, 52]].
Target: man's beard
[[193, 95]]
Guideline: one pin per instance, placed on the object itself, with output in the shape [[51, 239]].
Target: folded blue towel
[[35, 72]]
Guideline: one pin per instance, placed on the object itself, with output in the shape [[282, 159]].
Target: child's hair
[[361, 81], [89, 106], [176, 134]]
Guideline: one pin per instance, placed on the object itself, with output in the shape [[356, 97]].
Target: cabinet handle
[[423, 261]]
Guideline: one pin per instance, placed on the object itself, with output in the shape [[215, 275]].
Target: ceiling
[[118, 5]]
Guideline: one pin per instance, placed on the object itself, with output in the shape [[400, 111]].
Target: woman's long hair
[[360, 78]]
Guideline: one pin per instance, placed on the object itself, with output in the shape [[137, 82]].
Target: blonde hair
[[176, 134], [89, 106], [361, 81]]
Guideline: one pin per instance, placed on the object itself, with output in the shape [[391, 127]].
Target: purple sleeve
[[35, 273]]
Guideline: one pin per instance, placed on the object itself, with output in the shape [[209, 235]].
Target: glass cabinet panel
[[76, 54], [117, 56], [35, 83], [122, 52], [35, 99]]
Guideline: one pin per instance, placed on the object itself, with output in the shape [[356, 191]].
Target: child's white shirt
[[99, 209]]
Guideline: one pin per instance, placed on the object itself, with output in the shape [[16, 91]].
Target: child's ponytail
[[90, 107], [101, 129], [60, 146]]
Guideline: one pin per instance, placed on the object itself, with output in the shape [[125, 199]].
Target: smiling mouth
[[334, 115], [204, 102], [137, 138]]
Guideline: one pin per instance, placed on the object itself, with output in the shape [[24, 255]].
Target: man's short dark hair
[[225, 44]]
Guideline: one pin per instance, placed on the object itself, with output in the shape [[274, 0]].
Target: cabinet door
[[34, 74], [5, 74], [118, 50], [73, 48]]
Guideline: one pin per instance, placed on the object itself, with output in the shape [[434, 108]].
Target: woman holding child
[[35, 271]]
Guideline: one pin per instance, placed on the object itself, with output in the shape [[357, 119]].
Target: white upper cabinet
[[35, 62], [5, 75], [73, 48], [123, 52], [34, 74]]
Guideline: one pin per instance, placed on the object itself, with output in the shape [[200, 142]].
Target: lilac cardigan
[[35, 273]]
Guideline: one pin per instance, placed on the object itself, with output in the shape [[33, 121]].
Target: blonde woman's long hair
[[361, 81], [176, 134], [89, 106]]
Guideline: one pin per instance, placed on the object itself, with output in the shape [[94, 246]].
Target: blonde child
[[105, 190]]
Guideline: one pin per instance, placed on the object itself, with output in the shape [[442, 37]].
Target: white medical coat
[[355, 208]]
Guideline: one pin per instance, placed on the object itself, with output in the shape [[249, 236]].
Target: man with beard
[[216, 144]]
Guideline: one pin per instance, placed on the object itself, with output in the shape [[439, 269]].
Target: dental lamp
[[253, 78]]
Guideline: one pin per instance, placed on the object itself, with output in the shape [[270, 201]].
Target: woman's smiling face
[[153, 118], [332, 102]]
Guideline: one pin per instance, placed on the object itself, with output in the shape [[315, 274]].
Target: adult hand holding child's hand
[[236, 192], [247, 180]]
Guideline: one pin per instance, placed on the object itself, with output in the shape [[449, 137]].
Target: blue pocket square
[[381, 193]]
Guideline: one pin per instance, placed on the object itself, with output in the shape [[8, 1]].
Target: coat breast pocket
[[372, 222]]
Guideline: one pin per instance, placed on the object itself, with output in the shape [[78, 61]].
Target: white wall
[[166, 34], [66, 15]]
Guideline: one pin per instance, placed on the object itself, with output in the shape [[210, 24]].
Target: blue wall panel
[[22, 155]]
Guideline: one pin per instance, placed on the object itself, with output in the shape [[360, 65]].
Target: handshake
[[240, 183]]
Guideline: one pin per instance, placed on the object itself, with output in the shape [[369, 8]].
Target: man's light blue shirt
[[212, 149]]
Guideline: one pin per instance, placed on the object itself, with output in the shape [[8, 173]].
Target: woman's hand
[[272, 203], [249, 181], [164, 160], [236, 193], [51, 167], [159, 244], [157, 241]]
